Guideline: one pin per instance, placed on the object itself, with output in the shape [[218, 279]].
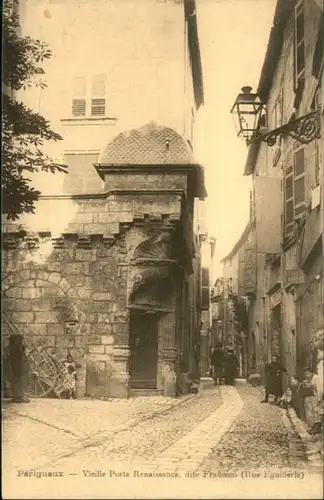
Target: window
[[205, 289], [294, 190], [277, 111], [299, 44], [289, 201], [299, 182], [89, 96], [79, 96], [82, 176]]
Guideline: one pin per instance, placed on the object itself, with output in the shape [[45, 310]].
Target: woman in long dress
[[308, 392]]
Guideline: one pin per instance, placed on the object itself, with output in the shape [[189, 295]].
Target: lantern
[[246, 112]]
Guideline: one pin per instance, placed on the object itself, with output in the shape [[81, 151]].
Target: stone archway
[[45, 307]]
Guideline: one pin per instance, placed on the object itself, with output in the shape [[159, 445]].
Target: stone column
[[119, 386]]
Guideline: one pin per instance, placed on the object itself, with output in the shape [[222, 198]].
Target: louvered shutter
[[82, 176], [205, 289], [79, 96], [289, 200], [98, 95], [299, 183]]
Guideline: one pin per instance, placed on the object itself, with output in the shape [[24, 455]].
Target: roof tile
[[150, 144]]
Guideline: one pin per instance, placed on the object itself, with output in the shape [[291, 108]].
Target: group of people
[[306, 396], [224, 365]]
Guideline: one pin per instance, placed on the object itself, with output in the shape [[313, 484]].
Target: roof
[[282, 12], [150, 144], [242, 239], [194, 51]]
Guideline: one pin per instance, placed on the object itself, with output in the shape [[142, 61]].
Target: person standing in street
[[231, 367], [18, 363], [308, 391], [71, 376], [273, 382], [217, 361]]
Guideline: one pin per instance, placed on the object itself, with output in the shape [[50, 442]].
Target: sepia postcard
[[162, 249]]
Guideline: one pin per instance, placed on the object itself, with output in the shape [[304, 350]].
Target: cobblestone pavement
[[202, 446], [69, 426], [260, 438]]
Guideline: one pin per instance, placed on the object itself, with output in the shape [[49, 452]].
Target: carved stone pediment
[[151, 287], [157, 247]]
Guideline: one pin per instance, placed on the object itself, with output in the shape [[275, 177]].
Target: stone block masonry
[[70, 302], [73, 297]]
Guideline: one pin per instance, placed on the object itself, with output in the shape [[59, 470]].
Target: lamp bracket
[[304, 129]]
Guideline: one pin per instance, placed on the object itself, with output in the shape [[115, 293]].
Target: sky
[[233, 40]]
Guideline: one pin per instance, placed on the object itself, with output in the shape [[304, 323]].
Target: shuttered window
[[299, 44], [89, 96], [205, 299], [98, 95], [294, 190], [79, 96], [299, 182], [289, 201], [82, 176]]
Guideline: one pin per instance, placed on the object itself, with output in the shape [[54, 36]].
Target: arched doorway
[[143, 341]]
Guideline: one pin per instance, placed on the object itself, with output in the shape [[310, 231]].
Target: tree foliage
[[24, 131]]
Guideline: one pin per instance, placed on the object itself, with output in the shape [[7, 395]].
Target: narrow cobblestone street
[[208, 443]]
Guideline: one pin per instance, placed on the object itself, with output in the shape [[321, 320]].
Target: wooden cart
[[47, 374]]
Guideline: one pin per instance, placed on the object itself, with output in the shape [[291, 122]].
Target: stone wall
[[74, 302]]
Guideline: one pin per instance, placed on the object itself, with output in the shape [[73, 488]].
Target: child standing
[[70, 375], [308, 392]]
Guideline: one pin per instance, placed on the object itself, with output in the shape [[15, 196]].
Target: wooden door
[[143, 344]]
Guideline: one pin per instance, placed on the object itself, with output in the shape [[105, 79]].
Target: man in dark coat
[[19, 368], [273, 379], [231, 366], [217, 361]]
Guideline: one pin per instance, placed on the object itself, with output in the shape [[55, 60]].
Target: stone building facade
[[288, 191], [108, 268]]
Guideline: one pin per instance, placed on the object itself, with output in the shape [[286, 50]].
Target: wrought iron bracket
[[304, 129]]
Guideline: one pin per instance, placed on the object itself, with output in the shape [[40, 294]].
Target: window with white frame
[[294, 190], [89, 96], [299, 43]]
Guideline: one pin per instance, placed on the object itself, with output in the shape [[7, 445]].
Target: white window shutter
[[98, 95], [79, 96]]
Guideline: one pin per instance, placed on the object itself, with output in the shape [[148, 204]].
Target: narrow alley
[[219, 437]]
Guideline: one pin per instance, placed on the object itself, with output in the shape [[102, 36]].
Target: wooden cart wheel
[[42, 373]]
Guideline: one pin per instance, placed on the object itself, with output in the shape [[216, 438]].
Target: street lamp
[[248, 109], [246, 112]]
